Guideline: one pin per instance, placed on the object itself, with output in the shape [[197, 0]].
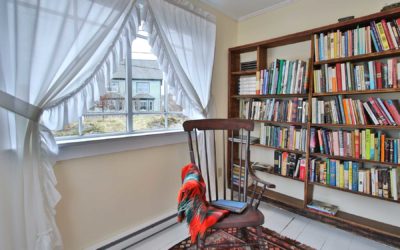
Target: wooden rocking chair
[[235, 135]]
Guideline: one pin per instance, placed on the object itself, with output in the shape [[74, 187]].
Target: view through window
[[143, 104]]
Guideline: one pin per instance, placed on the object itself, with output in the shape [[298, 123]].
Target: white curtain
[[54, 55], [55, 59], [183, 38]]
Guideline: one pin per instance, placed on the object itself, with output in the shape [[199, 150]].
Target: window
[[142, 87], [143, 104]]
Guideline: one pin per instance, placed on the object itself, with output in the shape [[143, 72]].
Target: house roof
[[141, 69], [143, 97]]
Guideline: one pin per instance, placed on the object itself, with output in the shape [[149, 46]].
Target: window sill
[[86, 147]]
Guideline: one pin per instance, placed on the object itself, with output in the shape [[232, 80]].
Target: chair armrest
[[257, 179]]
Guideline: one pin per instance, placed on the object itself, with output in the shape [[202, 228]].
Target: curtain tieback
[[18, 106]]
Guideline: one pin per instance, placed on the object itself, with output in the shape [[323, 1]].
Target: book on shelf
[[293, 110], [371, 75], [248, 65], [339, 110], [323, 207], [283, 137], [284, 77], [247, 85], [243, 139], [359, 144], [289, 164], [232, 206], [349, 175], [378, 36]]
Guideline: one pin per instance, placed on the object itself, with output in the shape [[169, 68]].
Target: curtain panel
[[56, 57], [49, 51]]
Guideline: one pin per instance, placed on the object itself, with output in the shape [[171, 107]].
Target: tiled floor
[[307, 231]]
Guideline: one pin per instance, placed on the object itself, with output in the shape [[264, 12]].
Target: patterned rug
[[271, 239]]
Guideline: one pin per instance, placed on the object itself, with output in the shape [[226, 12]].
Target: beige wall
[[302, 15], [103, 196]]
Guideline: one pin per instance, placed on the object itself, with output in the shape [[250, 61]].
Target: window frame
[[129, 111]]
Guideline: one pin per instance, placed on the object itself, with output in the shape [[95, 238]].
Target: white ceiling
[[243, 9]]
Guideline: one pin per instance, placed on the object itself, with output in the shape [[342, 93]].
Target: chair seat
[[251, 217]]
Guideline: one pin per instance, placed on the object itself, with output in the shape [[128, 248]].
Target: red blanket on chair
[[193, 205]]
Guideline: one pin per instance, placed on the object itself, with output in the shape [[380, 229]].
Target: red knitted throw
[[192, 203]]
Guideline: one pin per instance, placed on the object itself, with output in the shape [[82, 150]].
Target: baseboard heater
[[137, 236]]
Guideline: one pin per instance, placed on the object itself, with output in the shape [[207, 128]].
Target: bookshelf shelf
[[352, 222], [354, 192], [269, 96], [351, 126], [281, 149], [354, 159], [358, 58], [361, 92], [283, 176], [244, 73], [282, 123]]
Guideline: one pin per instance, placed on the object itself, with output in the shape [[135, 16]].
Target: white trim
[[252, 14], [135, 239], [86, 147], [262, 11]]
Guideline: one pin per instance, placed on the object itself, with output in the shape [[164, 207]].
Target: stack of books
[[362, 76], [341, 110], [377, 181], [249, 65], [247, 85], [323, 207], [283, 137]]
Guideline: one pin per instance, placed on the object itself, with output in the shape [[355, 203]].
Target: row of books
[[365, 76], [378, 36], [283, 137], [237, 172], [247, 85], [359, 144], [293, 110], [377, 181], [348, 111], [289, 164], [283, 77]]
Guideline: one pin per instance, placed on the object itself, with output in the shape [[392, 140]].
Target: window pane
[[147, 96], [172, 105], [113, 100], [98, 124], [148, 122], [175, 121], [69, 130]]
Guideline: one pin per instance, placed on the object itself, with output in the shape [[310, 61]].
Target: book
[[323, 207], [232, 206]]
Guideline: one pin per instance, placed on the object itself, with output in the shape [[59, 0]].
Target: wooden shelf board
[[354, 192], [281, 149], [286, 177], [345, 158], [270, 96], [358, 92], [350, 126], [282, 123], [244, 73], [364, 57], [277, 197]]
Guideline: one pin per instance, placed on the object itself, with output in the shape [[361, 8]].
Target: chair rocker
[[234, 157]]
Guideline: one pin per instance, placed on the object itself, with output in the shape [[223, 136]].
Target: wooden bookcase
[[370, 228]]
